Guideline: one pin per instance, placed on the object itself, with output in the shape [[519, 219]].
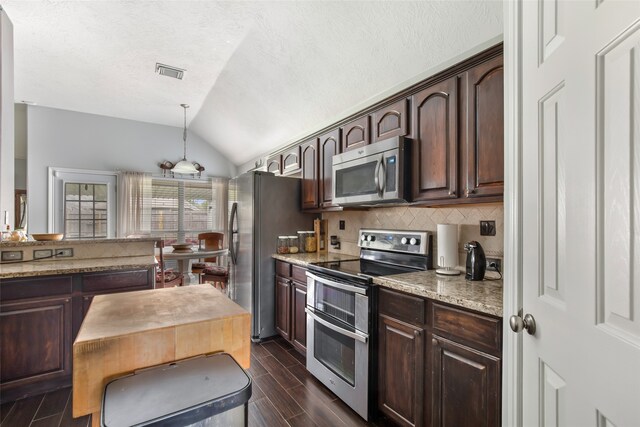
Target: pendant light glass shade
[[184, 166]]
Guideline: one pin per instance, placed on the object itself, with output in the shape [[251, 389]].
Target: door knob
[[517, 323]]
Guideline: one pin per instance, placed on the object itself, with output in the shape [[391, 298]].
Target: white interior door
[[581, 212]]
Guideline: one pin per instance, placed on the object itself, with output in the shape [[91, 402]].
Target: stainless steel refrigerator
[[262, 207]]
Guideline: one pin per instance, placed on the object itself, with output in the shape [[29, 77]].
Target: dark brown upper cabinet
[[274, 164], [329, 146], [355, 134], [391, 121], [291, 162], [309, 164], [435, 148], [484, 148]]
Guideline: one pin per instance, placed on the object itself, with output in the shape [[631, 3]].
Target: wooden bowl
[[182, 246], [44, 237]]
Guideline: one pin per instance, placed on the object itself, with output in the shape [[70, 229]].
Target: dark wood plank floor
[[284, 394]]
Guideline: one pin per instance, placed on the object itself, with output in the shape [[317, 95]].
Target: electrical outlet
[[497, 261], [342, 224], [11, 255], [487, 228], [42, 253], [64, 253]]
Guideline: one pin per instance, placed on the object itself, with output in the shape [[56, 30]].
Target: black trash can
[[204, 391]]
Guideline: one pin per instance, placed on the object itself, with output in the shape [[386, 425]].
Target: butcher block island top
[[128, 331]]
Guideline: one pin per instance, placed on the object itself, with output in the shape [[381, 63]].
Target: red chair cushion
[[168, 276], [215, 270]]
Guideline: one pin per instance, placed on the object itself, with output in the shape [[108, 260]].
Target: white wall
[[68, 139], [6, 119]]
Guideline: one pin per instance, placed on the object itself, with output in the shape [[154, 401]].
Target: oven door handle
[[355, 335], [338, 285]]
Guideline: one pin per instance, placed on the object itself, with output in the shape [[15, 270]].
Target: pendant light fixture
[[184, 166]]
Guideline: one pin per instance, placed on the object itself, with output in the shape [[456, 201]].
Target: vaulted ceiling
[[259, 74]]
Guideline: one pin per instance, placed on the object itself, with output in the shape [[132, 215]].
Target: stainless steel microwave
[[376, 173]]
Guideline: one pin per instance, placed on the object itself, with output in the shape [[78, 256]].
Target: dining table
[[184, 259]]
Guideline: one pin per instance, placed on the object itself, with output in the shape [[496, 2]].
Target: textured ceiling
[[258, 73]]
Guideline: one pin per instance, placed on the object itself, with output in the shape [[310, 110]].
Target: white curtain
[[134, 204], [219, 188]]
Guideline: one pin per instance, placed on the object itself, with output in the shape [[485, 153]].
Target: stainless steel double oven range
[[341, 304]]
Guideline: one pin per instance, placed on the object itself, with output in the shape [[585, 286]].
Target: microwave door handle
[[383, 181], [376, 178], [356, 336]]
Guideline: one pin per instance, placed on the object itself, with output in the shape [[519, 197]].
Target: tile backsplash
[[413, 218]]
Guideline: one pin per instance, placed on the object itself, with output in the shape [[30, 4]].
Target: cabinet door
[[465, 385], [274, 164], [309, 156], [484, 154], [291, 162], [299, 320], [435, 156], [35, 341], [283, 307], [329, 147], [401, 372], [390, 121], [355, 134]]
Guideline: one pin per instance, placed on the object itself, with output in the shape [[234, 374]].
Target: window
[[182, 209], [82, 203], [85, 211]]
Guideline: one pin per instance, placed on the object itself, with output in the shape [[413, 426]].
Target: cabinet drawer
[[299, 274], [115, 280], [283, 269], [478, 330], [35, 287], [402, 307]]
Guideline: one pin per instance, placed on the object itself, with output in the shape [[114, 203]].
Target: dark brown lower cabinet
[[291, 299], [401, 381], [35, 342], [39, 319], [299, 316], [438, 365], [283, 307], [465, 385]]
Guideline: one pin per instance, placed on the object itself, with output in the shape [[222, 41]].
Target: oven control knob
[[404, 240], [371, 238], [414, 241], [363, 237]]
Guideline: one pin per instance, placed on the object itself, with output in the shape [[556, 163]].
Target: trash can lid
[[187, 391]]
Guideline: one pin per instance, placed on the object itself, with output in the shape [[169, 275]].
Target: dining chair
[[209, 270], [165, 278]]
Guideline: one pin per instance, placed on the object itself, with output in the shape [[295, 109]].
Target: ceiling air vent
[[169, 71]]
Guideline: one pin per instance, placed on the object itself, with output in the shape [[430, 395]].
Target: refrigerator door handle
[[232, 222]]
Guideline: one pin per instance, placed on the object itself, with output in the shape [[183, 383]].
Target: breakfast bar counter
[[125, 332]]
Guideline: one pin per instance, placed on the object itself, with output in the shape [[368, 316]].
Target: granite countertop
[[485, 296], [10, 244], [49, 268], [305, 259]]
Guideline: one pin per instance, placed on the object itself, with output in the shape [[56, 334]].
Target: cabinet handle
[[417, 333], [469, 191], [452, 193], [434, 342]]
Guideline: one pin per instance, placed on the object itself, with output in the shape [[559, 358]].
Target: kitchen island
[[125, 332]]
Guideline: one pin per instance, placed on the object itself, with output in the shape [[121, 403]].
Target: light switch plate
[[487, 228], [11, 255], [42, 253]]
